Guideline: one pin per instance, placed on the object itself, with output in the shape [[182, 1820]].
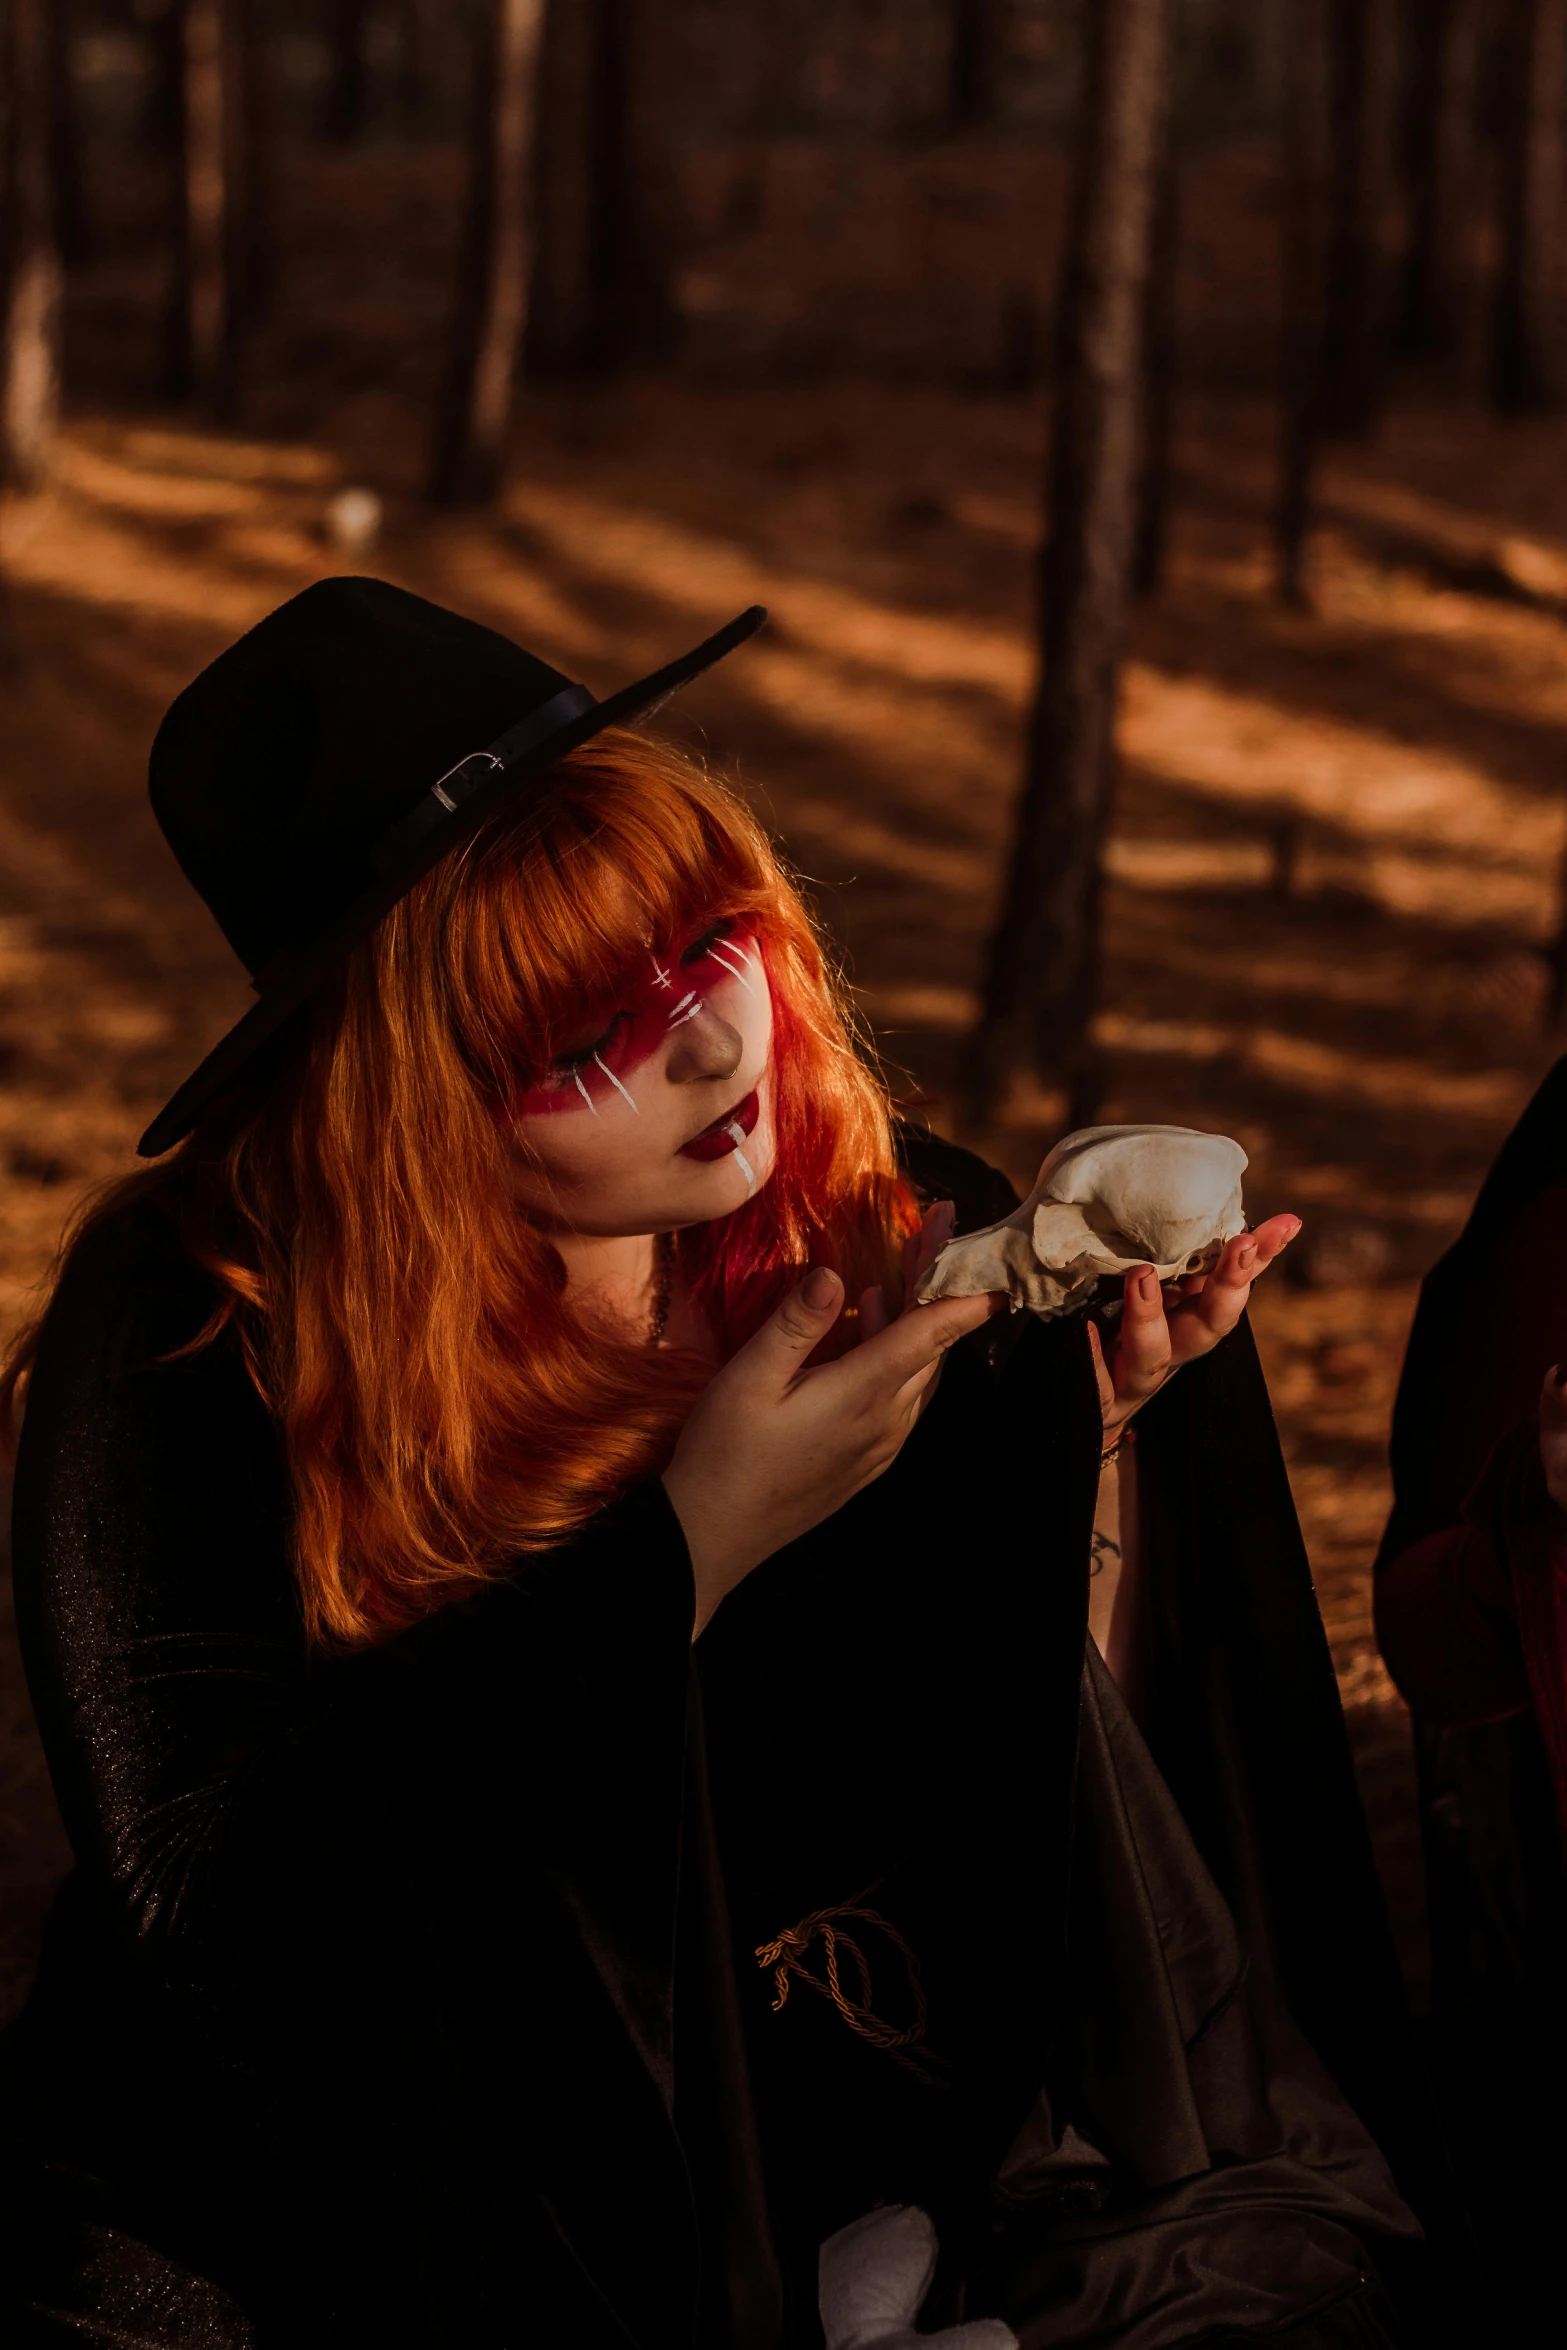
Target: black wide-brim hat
[[318, 768]]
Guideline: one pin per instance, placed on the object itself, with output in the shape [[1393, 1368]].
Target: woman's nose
[[705, 1047]]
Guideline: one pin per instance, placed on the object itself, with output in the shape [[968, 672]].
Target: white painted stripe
[[739, 968], [615, 1082]]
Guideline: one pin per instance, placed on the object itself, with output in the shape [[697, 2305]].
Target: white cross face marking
[[660, 975], [739, 967], [615, 1082], [576, 1075]]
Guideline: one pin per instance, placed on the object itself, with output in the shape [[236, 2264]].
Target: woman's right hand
[[772, 1448]]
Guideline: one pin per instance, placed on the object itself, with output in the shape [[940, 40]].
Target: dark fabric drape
[[1471, 1615], [413, 1999]]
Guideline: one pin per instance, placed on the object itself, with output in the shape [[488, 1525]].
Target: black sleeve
[[221, 1792], [945, 1170], [391, 1939]]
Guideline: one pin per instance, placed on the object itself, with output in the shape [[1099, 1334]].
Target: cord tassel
[[786, 1956]]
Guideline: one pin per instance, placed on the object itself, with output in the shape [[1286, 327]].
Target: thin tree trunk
[[632, 193], [1363, 122], [249, 212], [73, 232], [974, 63], [159, 124], [1528, 356], [347, 100], [1444, 160], [30, 275], [1303, 272], [476, 408], [199, 322], [1043, 973], [415, 42], [1160, 360], [562, 323], [606, 195]]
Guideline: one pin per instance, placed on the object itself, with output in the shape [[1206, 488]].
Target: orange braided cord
[[786, 1957]]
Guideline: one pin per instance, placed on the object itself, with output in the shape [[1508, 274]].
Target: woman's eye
[[566, 1064], [705, 944]]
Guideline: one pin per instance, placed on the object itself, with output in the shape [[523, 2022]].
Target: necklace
[[663, 1282]]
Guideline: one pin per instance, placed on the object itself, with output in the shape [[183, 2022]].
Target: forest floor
[[1337, 845]]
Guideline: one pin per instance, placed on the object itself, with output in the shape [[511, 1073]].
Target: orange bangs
[[444, 1409]]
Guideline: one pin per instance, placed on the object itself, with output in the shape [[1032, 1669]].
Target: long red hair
[[443, 1408]]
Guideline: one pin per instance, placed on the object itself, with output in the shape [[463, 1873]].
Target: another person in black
[[1472, 1617], [458, 1957]]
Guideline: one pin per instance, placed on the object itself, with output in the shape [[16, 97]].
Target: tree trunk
[[632, 199], [606, 192], [1304, 270], [974, 63], [1043, 973], [562, 324], [73, 232], [162, 104], [1528, 357], [1160, 352], [1444, 180], [476, 407], [250, 216], [199, 320], [30, 265], [416, 38], [1363, 123], [347, 99]]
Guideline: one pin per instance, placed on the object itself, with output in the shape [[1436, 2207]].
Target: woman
[[447, 1961], [1472, 1617]]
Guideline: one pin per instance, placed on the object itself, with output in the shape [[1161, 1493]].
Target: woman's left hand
[[1161, 1328]]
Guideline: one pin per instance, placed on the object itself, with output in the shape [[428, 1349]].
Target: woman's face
[[665, 1117]]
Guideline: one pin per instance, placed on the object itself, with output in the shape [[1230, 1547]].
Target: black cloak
[[1492, 1319], [394, 2001]]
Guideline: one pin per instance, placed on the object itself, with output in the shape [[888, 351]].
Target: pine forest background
[[784, 282]]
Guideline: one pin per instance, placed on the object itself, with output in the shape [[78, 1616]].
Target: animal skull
[[1107, 1198]]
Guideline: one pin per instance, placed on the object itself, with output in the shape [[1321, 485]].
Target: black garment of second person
[[892, 1712]]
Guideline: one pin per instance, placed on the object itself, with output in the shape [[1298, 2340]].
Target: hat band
[[459, 783]]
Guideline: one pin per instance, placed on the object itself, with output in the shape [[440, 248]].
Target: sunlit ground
[[1336, 850]]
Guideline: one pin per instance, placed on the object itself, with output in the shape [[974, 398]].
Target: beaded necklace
[[663, 1283]]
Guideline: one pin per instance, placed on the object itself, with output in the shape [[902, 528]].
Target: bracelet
[[1112, 1453]]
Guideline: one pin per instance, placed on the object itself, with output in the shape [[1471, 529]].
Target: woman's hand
[[772, 1448], [1553, 1435], [1151, 1342]]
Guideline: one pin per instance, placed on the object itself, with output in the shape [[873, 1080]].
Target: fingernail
[[1148, 1286], [1246, 1256], [820, 1289]]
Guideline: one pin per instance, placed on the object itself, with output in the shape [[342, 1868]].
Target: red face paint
[[718, 971], [727, 1133]]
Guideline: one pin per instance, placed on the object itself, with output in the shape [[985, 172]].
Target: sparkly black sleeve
[[224, 1794], [945, 1170]]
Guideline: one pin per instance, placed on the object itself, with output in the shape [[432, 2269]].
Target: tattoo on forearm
[[1103, 1548]]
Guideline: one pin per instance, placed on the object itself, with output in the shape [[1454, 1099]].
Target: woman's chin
[[722, 1185]]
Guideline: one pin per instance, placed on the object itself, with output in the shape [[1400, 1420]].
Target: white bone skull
[[874, 2276], [1107, 1198]]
